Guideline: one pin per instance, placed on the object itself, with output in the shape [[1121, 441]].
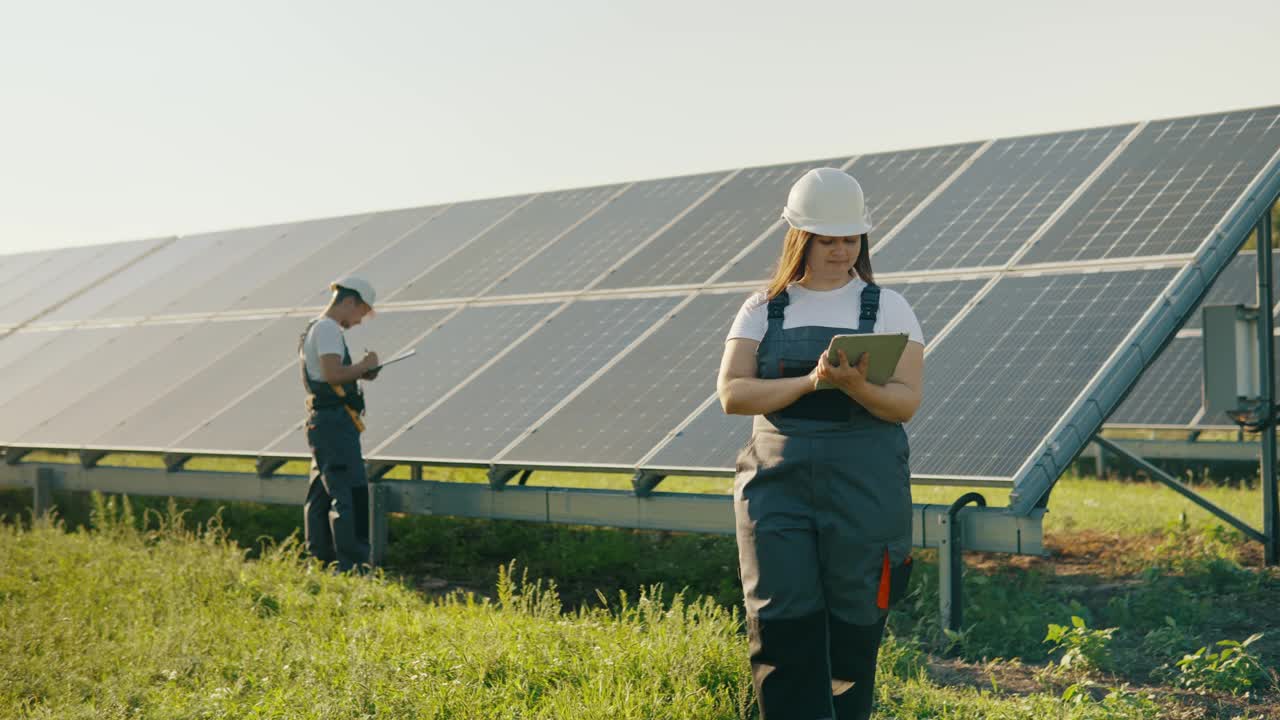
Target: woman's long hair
[[791, 265]]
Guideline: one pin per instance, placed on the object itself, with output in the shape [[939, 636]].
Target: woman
[[822, 496]]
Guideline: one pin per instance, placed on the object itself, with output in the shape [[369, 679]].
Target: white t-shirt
[[324, 338], [829, 308]]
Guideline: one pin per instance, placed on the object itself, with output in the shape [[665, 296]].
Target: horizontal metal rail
[[984, 529]]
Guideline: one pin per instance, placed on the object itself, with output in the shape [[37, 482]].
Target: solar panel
[[629, 409], [1012, 366], [291, 243], [28, 371], [211, 253], [41, 274], [21, 343], [996, 205], [97, 301], [271, 410], [57, 280], [894, 183], [19, 264], [1168, 393], [482, 262], [1167, 191], [713, 233], [223, 375], [97, 411], [306, 282], [494, 408], [23, 410], [423, 247], [586, 252], [711, 441]]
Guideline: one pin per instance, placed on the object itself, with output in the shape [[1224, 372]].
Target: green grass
[[1135, 556], [119, 622]]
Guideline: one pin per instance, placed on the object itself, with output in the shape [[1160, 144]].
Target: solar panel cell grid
[[394, 269], [222, 375], [495, 253], [212, 253], [494, 408], [1167, 190], [1168, 392], [445, 358], [629, 409], [306, 282], [725, 223], [580, 257], [97, 411], [287, 246], [998, 203], [23, 410], [1011, 367]]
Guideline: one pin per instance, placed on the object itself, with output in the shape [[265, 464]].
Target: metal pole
[[377, 522], [1267, 368], [951, 563], [42, 493]]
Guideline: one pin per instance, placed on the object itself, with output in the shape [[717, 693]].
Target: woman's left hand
[[849, 377]]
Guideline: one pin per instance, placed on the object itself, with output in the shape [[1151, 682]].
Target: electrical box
[[1232, 379]]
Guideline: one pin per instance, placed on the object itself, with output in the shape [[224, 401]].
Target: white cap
[[360, 285], [827, 201]]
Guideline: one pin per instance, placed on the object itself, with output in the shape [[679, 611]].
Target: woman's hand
[[849, 377]]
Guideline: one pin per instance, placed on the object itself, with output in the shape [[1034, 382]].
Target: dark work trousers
[[822, 501], [336, 513]]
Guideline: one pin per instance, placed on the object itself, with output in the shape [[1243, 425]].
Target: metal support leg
[[267, 466], [644, 481], [1100, 463], [415, 471], [174, 462], [42, 493], [500, 476], [1266, 329], [1182, 489], [378, 524], [951, 564]]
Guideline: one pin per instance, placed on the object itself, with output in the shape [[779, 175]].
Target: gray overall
[[336, 512], [822, 501]]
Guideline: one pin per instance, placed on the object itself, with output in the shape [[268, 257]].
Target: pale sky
[[127, 119]]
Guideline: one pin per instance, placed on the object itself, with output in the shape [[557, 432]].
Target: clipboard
[[885, 350], [406, 354]]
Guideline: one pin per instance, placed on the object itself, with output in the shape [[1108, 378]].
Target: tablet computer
[[885, 350], [408, 353]]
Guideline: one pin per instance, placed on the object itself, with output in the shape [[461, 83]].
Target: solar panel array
[[583, 328]]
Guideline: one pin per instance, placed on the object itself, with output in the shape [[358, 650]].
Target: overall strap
[[870, 308], [777, 311]]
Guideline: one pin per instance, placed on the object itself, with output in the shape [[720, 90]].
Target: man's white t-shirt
[[324, 338], [828, 308]]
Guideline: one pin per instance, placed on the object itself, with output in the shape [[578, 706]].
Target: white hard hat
[[827, 201], [358, 284]]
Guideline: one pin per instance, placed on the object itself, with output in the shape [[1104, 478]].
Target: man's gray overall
[[822, 500], [336, 513]]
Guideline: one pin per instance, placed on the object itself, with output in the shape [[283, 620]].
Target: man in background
[[336, 512]]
